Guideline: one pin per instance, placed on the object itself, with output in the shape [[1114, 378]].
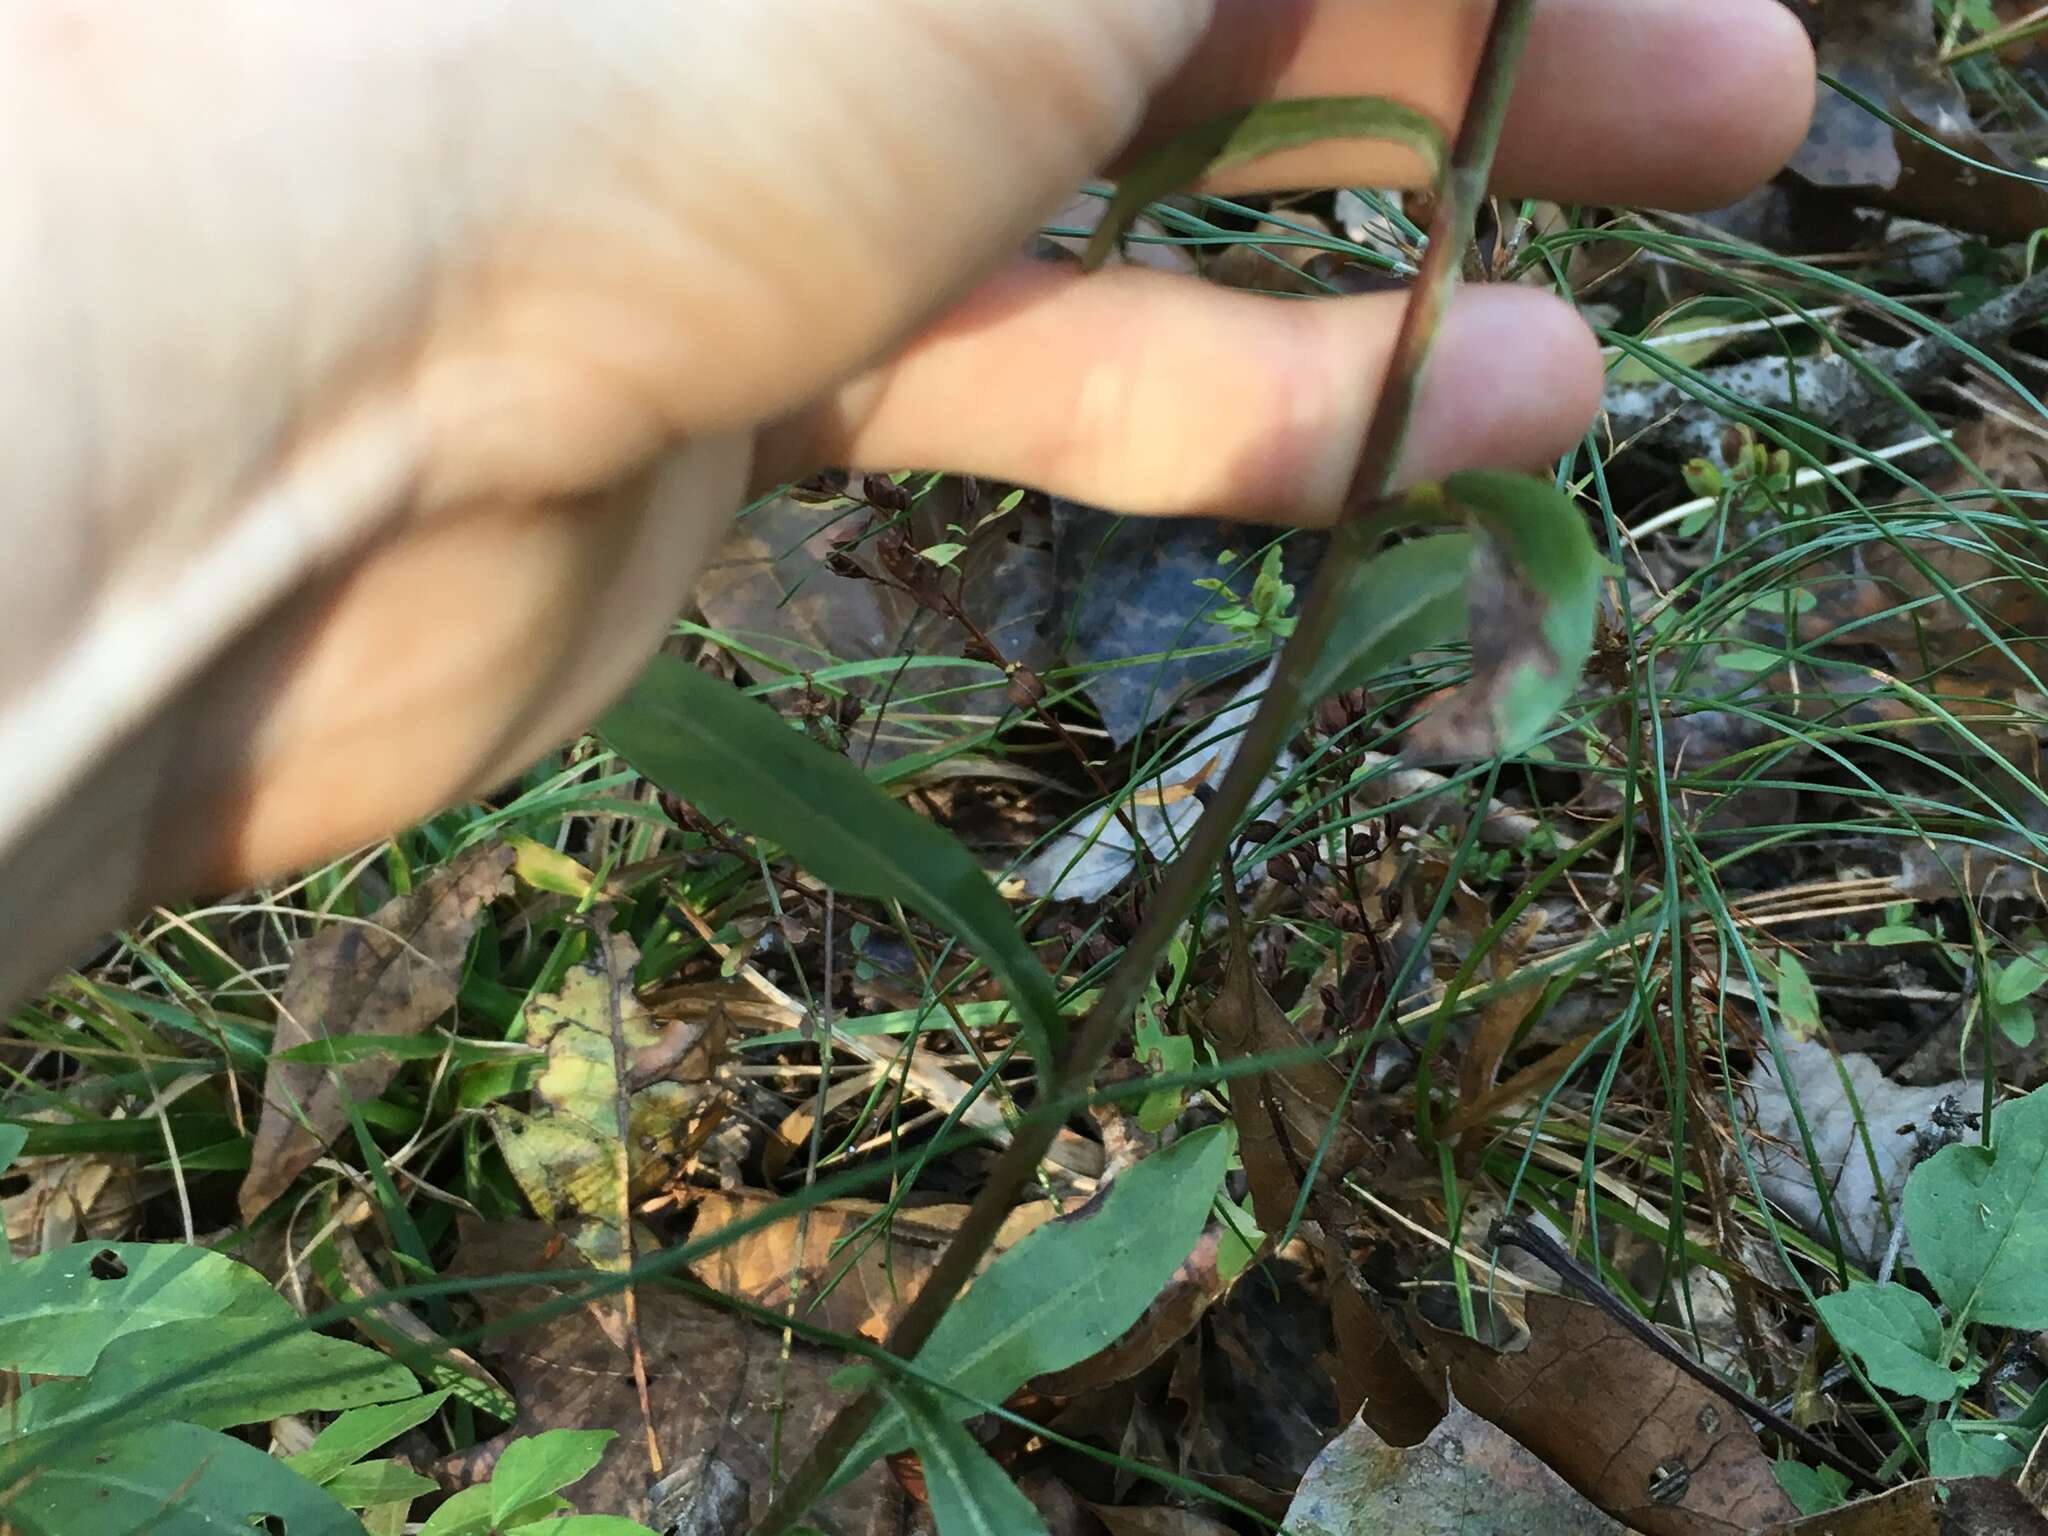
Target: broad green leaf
[[1070, 1287], [172, 1480], [594, 1525], [1893, 934], [1798, 1002], [1896, 1333], [969, 1494], [2021, 978], [1533, 598], [534, 1466], [737, 759], [1952, 1452], [360, 1431], [1407, 599], [1978, 1220], [2014, 1020], [225, 1373], [469, 1513], [1250, 134], [378, 1482], [1812, 1490], [59, 1310]]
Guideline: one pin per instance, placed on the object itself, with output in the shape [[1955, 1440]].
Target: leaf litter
[[1807, 746]]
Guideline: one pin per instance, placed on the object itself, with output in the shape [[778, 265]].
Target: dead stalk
[[1187, 878]]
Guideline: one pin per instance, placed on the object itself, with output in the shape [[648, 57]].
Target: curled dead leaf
[[391, 974]]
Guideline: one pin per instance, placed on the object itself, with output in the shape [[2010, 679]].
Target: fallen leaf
[[1125, 605], [391, 974], [622, 1102], [852, 1272], [1467, 1476], [1282, 1114], [1976, 1506], [1623, 1425], [1885, 51], [1840, 1097], [771, 587], [727, 1406]]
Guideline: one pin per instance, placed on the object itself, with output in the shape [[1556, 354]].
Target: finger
[[1669, 103], [1146, 393]]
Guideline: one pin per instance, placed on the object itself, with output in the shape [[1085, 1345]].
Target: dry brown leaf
[[1885, 50], [1281, 1114], [849, 1283], [715, 1383], [1374, 1368], [392, 974], [1620, 1423], [1977, 1506], [1467, 1476]]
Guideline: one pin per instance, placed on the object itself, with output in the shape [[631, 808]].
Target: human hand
[[376, 376]]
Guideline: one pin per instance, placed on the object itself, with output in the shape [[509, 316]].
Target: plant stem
[[1278, 715]]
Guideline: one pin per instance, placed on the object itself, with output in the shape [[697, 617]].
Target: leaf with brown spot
[[623, 1101], [1618, 1422], [392, 974], [1467, 1476]]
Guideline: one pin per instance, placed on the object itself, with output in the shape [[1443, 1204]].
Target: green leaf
[[58, 1311], [537, 1465], [468, 1513], [1812, 1490], [735, 758], [172, 1480], [1952, 1452], [229, 1372], [969, 1494], [595, 1525], [1407, 599], [1070, 1287], [1896, 1334], [1978, 1219], [378, 1482], [1250, 133], [2020, 979], [360, 1431], [1798, 1002], [1533, 597], [12, 1139], [1898, 933], [2014, 1020]]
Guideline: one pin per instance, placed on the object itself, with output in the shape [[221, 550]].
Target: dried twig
[[1838, 390]]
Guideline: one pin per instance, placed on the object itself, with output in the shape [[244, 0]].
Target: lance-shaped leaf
[[735, 758], [1407, 599], [1251, 134]]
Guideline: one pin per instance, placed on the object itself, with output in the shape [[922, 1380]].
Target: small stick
[[1514, 1232]]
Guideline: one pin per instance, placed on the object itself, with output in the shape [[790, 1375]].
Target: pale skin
[[376, 376]]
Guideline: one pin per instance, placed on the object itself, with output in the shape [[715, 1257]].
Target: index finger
[[1661, 103]]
